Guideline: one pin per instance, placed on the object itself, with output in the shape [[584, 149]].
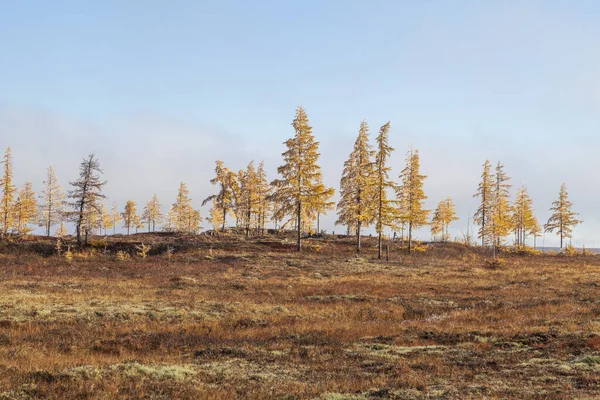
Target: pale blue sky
[[179, 83]]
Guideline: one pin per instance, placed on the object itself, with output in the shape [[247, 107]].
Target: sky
[[159, 90]]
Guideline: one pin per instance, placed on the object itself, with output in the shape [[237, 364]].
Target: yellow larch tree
[[183, 217], [25, 209], [152, 215], [483, 215], [61, 231], [385, 208], [300, 191], [357, 206], [228, 188], [444, 214], [523, 218], [115, 215], [105, 217], [250, 198], [264, 198], [215, 217], [563, 218], [411, 196], [128, 215], [501, 207], [9, 192], [51, 202]]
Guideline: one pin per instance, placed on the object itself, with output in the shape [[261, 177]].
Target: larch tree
[[52, 199], [105, 217], [523, 218], [563, 218], [483, 215], [152, 214], [250, 198], [138, 222], [183, 217], [300, 190], [501, 207], [25, 209], [357, 187], [384, 207], [215, 217], [264, 196], [411, 195], [443, 216], [115, 215], [228, 188], [61, 231], [85, 194], [129, 215], [9, 192]]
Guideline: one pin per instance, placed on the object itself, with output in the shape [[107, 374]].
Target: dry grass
[[229, 318]]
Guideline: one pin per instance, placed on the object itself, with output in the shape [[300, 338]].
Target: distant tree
[[483, 215], [523, 218], [52, 199], [357, 206], [115, 215], [25, 209], [61, 231], [106, 219], [300, 191], [385, 210], [129, 215], [563, 217], [215, 217], [183, 218], [264, 197], [250, 198], [138, 222], [85, 195], [152, 214], [411, 196], [443, 215], [501, 207], [9, 192], [228, 187]]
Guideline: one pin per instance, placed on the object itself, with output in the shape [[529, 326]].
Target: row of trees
[[296, 199], [497, 217]]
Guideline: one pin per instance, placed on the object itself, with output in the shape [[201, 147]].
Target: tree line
[[295, 200]]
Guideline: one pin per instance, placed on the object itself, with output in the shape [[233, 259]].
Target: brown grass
[[226, 318]]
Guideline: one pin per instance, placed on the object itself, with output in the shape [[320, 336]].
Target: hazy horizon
[[159, 92]]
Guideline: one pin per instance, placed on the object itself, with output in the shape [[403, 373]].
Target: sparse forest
[[245, 201]]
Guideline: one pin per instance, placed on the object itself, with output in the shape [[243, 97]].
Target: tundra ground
[[226, 318]]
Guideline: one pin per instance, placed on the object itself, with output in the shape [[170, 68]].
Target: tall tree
[[86, 193], [25, 209], [563, 217], [523, 218], [502, 210], [250, 197], [385, 210], [8, 194], [483, 215], [411, 195], [152, 214], [300, 191], [264, 197], [357, 187], [129, 215], [51, 201], [228, 187], [443, 215]]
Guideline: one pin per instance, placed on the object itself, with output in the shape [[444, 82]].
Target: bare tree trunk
[[358, 226], [299, 225]]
